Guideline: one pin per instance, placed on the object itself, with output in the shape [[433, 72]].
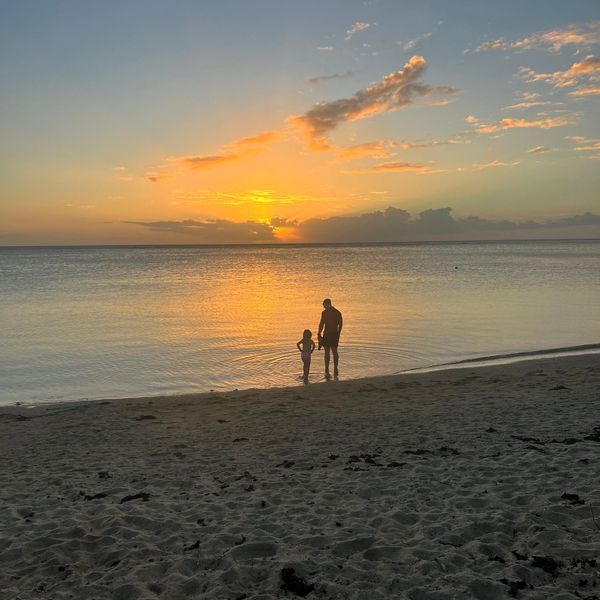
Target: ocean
[[109, 322]]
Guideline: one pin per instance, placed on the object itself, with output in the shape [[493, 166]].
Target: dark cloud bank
[[391, 225]]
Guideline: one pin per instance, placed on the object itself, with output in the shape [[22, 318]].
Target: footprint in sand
[[383, 553], [253, 550], [352, 546]]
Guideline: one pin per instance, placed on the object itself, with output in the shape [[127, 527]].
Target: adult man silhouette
[[331, 326]]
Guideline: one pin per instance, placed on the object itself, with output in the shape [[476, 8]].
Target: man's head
[[327, 303]]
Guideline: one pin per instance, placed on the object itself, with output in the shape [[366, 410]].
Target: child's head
[[307, 334]]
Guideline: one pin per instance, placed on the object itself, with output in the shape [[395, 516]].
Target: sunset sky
[[264, 121]]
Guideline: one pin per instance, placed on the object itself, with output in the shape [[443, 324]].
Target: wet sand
[[465, 483]]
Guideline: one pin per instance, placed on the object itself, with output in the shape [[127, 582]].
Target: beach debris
[[524, 438], [572, 498], [496, 558], [567, 441], [222, 421], [141, 496], [559, 387], [104, 475], [514, 586], [193, 546], [249, 488], [145, 417], [293, 583], [240, 439], [395, 464], [441, 451], [546, 563], [201, 522], [92, 496], [286, 464], [333, 456], [584, 562], [10, 417], [491, 430], [595, 435], [530, 447], [537, 373], [519, 556]]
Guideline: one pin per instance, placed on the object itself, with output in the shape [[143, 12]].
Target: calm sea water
[[114, 322]]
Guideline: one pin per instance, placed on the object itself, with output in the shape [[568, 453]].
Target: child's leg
[[306, 367]]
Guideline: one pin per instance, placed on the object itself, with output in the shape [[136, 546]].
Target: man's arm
[[322, 323], [341, 322]]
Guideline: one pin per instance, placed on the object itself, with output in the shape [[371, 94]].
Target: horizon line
[[296, 244]]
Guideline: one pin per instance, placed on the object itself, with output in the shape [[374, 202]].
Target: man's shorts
[[331, 340]]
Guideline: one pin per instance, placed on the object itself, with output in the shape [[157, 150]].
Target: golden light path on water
[[116, 322]]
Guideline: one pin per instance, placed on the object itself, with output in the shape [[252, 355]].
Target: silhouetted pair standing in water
[[330, 328]]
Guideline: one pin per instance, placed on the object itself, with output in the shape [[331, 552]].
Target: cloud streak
[[394, 91], [588, 67], [398, 167], [315, 80], [580, 36], [504, 124], [539, 150], [356, 28], [217, 231], [242, 148]]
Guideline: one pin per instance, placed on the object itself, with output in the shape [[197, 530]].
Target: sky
[[145, 121]]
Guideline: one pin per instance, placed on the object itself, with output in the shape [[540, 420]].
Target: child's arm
[[298, 345]]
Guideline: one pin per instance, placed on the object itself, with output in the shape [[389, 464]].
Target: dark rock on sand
[[514, 586], [572, 498], [293, 583], [141, 496], [93, 496], [594, 436], [193, 546], [546, 563]]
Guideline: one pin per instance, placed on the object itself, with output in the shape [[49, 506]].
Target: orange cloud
[[584, 35], [548, 123], [266, 137], [524, 105], [398, 167], [204, 162], [593, 90], [589, 66], [396, 90], [590, 146], [236, 150], [378, 149], [494, 164]]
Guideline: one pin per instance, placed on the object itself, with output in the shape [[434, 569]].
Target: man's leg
[[336, 358], [327, 357]]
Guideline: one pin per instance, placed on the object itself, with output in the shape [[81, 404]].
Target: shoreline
[[463, 483], [475, 363]]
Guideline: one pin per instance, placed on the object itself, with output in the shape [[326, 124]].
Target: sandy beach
[[466, 483]]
